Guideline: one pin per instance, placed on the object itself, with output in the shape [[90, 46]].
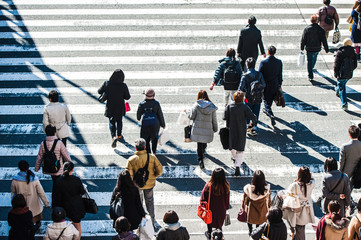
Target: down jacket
[[342, 53], [256, 206], [54, 230], [219, 74]]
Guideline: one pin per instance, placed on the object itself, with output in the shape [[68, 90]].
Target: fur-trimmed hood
[[249, 188], [339, 225]]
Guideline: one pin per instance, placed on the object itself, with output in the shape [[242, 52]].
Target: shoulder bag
[[90, 204], [292, 201], [104, 96], [203, 209], [328, 18], [62, 232], [116, 208], [265, 236]]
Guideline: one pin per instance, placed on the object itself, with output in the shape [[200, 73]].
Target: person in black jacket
[[274, 228], [345, 63], [116, 91], [172, 229], [249, 39], [312, 37], [152, 119]]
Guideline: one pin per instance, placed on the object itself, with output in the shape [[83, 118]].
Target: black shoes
[[237, 172], [271, 116], [114, 143], [201, 164]]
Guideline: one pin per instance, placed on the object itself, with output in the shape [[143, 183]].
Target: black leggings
[[209, 229], [250, 228]]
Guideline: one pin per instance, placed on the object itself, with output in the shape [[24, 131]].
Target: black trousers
[[201, 148], [154, 141], [55, 179]]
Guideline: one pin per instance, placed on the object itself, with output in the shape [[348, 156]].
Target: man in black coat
[[271, 69], [249, 38], [312, 37]]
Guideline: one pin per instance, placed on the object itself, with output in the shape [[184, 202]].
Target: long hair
[[219, 182], [68, 167], [124, 183], [334, 208], [330, 164], [259, 181], [304, 177], [24, 167], [202, 95]]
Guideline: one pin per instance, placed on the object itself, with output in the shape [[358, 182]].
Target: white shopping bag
[[301, 59], [163, 136], [146, 229], [182, 119]]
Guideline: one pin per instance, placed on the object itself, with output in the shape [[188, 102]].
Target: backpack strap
[[54, 144], [147, 164]]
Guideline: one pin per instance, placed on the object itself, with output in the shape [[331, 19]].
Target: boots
[[237, 172], [201, 163]]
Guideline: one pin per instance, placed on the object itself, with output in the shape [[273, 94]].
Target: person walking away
[[122, 227], [27, 184], [68, 196], [204, 116], [345, 63], [355, 224], [116, 91], [271, 69], [253, 84], [60, 151], [155, 168], [172, 229], [152, 117], [356, 29], [249, 40], [328, 17], [133, 208], [236, 115], [229, 74], [219, 199], [60, 228], [312, 38]]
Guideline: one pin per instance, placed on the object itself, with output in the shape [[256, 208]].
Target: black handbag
[[187, 133], [104, 96], [224, 136], [89, 204]]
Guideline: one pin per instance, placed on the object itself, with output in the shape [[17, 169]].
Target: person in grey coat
[[339, 183], [204, 124], [236, 115]]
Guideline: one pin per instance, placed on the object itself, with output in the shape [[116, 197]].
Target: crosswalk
[[173, 46]]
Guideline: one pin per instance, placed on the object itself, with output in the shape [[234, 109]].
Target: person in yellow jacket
[[155, 169]]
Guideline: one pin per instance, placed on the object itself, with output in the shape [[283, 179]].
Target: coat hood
[[339, 225], [19, 211], [226, 59], [206, 107], [172, 227], [58, 225], [249, 188], [21, 176]]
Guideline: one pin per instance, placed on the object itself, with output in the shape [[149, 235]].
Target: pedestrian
[[355, 224], [336, 226], [345, 63], [274, 228], [219, 199], [60, 229], [127, 190], [58, 115], [335, 186], [271, 69], [301, 187], [328, 17], [228, 74], [204, 116], [256, 200], [312, 38], [155, 168], [60, 152], [20, 220], [236, 115], [249, 40], [27, 184], [122, 227], [356, 29], [253, 84], [152, 119], [172, 229], [116, 92], [69, 190]]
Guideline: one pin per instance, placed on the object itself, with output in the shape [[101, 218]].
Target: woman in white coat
[[60, 229]]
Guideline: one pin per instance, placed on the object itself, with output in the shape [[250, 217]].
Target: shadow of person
[[297, 104]]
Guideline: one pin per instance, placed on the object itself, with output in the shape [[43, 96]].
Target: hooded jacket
[[54, 230], [21, 222], [336, 230], [219, 74], [343, 53], [255, 205], [173, 232], [204, 119]]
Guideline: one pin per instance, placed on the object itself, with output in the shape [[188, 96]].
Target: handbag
[[116, 208], [336, 36], [301, 59], [242, 215], [104, 96], [279, 99], [203, 209], [292, 201], [227, 220], [224, 136], [127, 107], [187, 133], [90, 204], [263, 236]]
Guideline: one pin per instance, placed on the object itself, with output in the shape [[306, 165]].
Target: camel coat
[[336, 230], [256, 206], [355, 224]]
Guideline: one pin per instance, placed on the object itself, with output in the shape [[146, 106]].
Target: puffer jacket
[[173, 232], [219, 74], [54, 230], [322, 16], [313, 36], [337, 230], [342, 53], [204, 119], [256, 206], [58, 115], [139, 160]]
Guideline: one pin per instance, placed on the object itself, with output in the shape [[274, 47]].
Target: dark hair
[[252, 20], [238, 96], [275, 215], [24, 167], [50, 130], [272, 50], [304, 177], [259, 181], [219, 182], [67, 167], [330, 164], [231, 53], [334, 208], [53, 96], [170, 217], [250, 62], [359, 205], [124, 183], [117, 76], [354, 131], [217, 234], [202, 94], [58, 214], [326, 2], [18, 201], [122, 225]]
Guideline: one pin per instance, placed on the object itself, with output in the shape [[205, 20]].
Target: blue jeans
[[255, 109], [311, 62], [341, 90], [115, 127]]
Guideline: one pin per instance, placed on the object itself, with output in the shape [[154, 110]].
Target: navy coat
[[271, 69], [249, 40]]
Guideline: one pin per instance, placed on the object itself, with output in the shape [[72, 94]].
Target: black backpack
[[50, 163], [149, 117], [255, 93], [141, 176], [346, 69], [231, 77], [328, 18]]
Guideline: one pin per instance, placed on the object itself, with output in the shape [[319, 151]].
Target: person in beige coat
[[355, 223], [58, 115], [60, 228], [336, 226], [27, 184]]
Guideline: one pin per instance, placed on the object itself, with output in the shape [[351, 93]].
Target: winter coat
[[219, 206], [313, 36], [173, 232], [32, 192], [350, 154], [204, 118], [255, 205], [126, 236], [355, 33], [58, 115], [117, 91], [329, 182], [219, 74], [277, 231], [60, 151], [249, 40], [336, 230], [236, 115], [250, 76], [138, 160], [68, 194], [331, 11], [55, 228], [271, 69], [353, 227], [21, 222], [151, 131], [342, 53]]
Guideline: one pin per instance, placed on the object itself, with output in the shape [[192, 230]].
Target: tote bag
[[292, 201]]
